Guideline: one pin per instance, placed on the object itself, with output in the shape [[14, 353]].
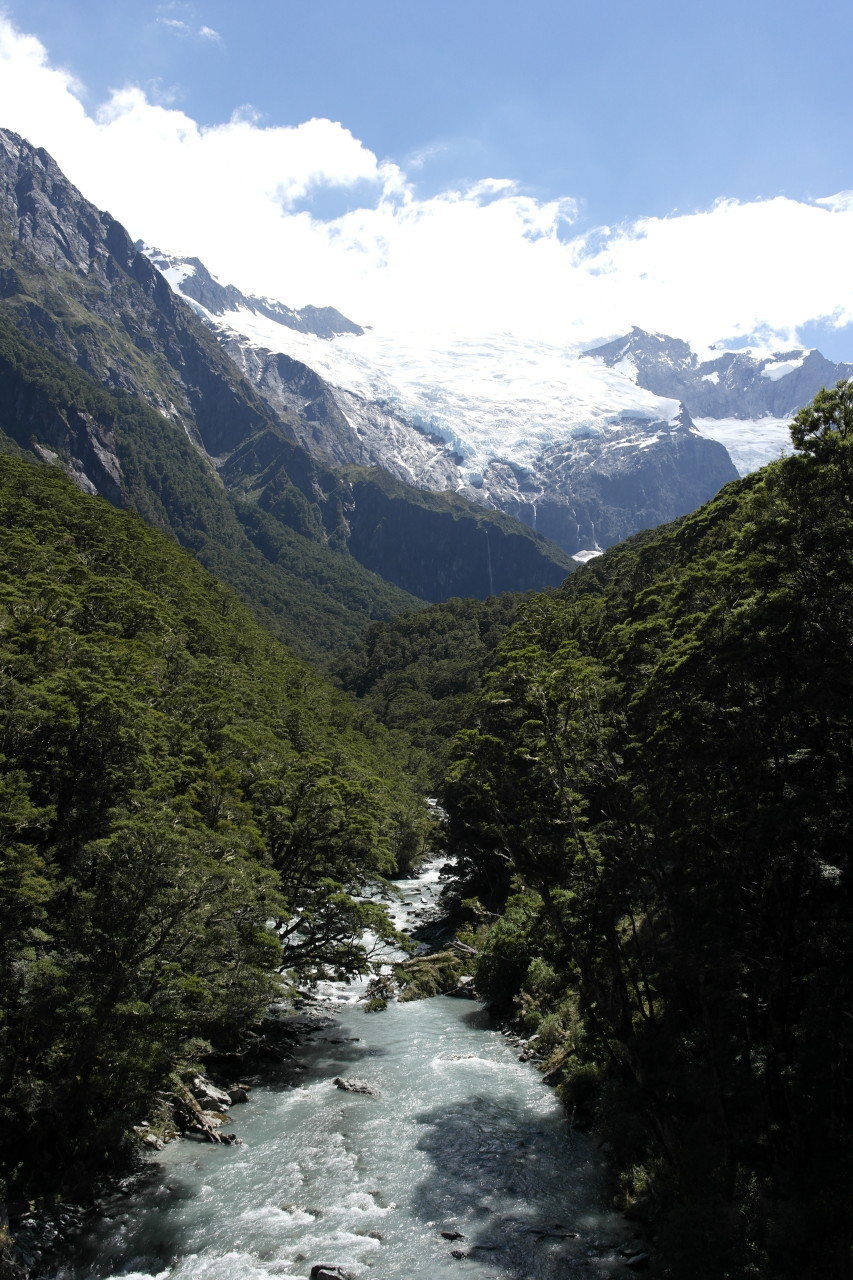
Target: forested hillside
[[172, 780], [655, 794], [114, 443], [419, 673]]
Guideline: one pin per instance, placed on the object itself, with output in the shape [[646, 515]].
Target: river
[[464, 1140]]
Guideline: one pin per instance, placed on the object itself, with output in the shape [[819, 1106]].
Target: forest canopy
[[654, 793], [174, 783]]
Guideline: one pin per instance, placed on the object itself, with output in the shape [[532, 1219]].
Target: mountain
[[734, 384], [193, 279], [567, 445], [586, 446], [742, 400], [111, 373]]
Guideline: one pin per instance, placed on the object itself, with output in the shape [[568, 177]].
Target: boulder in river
[[208, 1095], [465, 988], [320, 1272], [192, 1118], [357, 1086]]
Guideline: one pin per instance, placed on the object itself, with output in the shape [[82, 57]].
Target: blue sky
[[621, 111], [635, 108]]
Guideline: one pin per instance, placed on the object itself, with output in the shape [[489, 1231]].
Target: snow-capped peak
[[497, 397]]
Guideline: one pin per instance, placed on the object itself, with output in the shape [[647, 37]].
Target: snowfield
[[750, 444], [493, 398]]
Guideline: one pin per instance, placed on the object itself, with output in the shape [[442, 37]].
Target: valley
[[294, 612]]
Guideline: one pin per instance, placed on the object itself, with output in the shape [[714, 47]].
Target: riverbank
[[454, 1154]]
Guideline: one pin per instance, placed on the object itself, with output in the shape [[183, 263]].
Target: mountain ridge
[[734, 384], [496, 419], [74, 284], [200, 286], [583, 497]]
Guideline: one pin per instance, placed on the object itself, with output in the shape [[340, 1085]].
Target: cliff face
[[73, 282], [83, 443], [440, 546], [593, 491], [291, 388]]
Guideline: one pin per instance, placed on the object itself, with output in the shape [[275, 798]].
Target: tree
[[829, 415]]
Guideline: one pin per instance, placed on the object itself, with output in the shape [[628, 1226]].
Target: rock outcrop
[[357, 1086], [734, 384]]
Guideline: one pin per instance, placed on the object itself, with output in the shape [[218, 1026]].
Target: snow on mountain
[[750, 444], [779, 366], [501, 397], [745, 399], [495, 397], [567, 445], [191, 278], [585, 446]]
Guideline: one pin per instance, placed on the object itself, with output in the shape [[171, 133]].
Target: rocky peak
[[52, 221], [733, 384], [645, 350], [192, 278]]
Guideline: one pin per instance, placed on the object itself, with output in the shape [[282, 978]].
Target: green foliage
[[309, 595], [418, 672], [506, 956], [662, 760], [171, 781], [829, 415], [421, 977]]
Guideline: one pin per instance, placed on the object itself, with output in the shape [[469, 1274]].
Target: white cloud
[[182, 28], [175, 24], [487, 257]]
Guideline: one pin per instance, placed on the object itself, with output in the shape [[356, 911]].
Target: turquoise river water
[[465, 1140]]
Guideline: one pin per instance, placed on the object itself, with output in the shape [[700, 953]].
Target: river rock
[[639, 1262], [190, 1117], [208, 1095], [320, 1272], [357, 1086], [464, 989], [238, 1093]]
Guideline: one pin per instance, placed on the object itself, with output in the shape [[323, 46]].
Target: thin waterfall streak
[[489, 564]]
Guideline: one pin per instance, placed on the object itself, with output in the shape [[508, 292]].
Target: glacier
[[584, 445], [495, 396]]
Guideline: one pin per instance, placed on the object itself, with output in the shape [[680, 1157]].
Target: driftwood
[[463, 946], [191, 1118]]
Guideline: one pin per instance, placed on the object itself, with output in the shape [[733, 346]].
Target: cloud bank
[[244, 197]]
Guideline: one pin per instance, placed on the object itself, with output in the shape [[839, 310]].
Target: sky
[[554, 169]]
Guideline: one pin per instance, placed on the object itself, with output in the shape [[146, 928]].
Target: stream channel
[[464, 1139]]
